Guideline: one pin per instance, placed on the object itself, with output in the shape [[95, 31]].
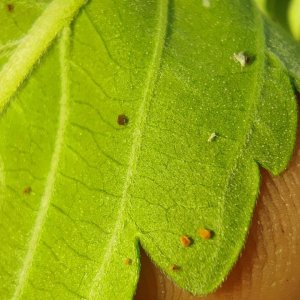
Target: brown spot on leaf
[[27, 190], [122, 119], [10, 7], [174, 268]]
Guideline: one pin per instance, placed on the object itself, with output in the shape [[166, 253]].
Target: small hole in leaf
[[10, 7], [174, 268], [128, 261], [122, 119], [27, 190], [205, 234], [185, 241]]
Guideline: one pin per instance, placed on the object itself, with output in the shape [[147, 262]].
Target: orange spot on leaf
[[206, 234], [185, 241]]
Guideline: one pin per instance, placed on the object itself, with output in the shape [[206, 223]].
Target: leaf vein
[[147, 96], [49, 185]]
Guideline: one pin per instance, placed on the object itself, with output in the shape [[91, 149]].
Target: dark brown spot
[[122, 120], [185, 241], [298, 96], [128, 261], [10, 7], [248, 60], [27, 190], [174, 268], [205, 234]]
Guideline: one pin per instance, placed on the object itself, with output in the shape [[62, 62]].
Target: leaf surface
[[277, 10], [80, 192], [286, 13], [294, 18]]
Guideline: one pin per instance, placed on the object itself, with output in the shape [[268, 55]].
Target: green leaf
[[294, 18], [281, 44], [286, 13], [277, 10], [134, 122], [262, 4]]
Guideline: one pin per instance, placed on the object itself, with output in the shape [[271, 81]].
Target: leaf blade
[[97, 287], [293, 18], [46, 198], [182, 180], [54, 17]]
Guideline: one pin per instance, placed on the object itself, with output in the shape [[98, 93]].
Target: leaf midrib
[[32, 46], [147, 96]]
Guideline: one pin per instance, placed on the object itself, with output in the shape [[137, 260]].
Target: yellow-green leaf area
[[128, 123], [294, 18]]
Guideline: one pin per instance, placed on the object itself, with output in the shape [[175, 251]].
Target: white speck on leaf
[[212, 137], [241, 58], [206, 3]]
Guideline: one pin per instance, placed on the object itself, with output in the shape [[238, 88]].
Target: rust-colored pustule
[[185, 241], [205, 234]]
